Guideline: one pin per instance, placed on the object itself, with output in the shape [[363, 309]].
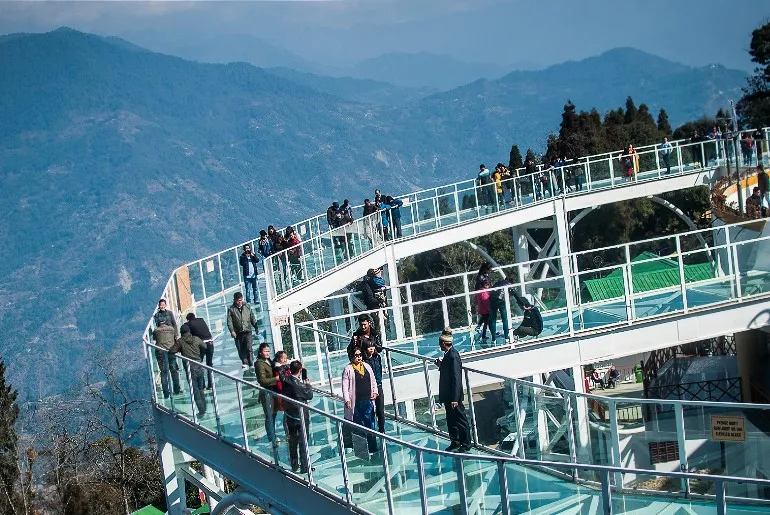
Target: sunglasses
[[357, 355]]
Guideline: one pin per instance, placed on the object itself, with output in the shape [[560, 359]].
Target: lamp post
[[735, 137]]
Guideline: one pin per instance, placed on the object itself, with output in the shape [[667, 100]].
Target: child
[[482, 308], [379, 288]]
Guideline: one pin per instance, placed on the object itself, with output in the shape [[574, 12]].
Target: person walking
[[240, 321], [374, 360], [297, 389], [165, 338], [199, 328], [248, 261], [267, 380], [359, 390], [497, 305], [191, 347], [450, 393], [665, 152]]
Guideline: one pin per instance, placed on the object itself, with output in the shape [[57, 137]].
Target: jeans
[[363, 415], [209, 355], [198, 379], [245, 349], [267, 409], [250, 281], [397, 227], [579, 182], [667, 161], [457, 424], [167, 363], [525, 331], [294, 438], [496, 306]]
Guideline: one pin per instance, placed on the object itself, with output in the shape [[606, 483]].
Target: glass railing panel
[[468, 204], [705, 281], [231, 267], [753, 266], [599, 173], [211, 278], [528, 410], [441, 482], [658, 302], [457, 309], [482, 486], [424, 212], [594, 445], [647, 165], [230, 425], [725, 441], [325, 455], [256, 428], [404, 479], [365, 472], [447, 210], [194, 283], [163, 372], [501, 431]]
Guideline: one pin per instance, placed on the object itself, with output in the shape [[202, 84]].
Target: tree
[[515, 161], [531, 156], [9, 470], [631, 111], [754, 107], [663, 125]]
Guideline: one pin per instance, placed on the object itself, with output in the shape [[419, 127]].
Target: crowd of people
[[758, 203]]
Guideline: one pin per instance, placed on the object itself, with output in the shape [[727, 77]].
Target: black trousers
[[245, 349], [294, 439], [379, 409], [209, 355], [457, 424]]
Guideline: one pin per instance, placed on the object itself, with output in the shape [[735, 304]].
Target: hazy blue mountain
[[117, 165], [424, 69], [360, 90]]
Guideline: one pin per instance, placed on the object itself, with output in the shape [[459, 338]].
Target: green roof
[[148, 510], [651, 275]]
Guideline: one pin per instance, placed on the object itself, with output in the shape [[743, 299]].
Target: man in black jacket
[[297, 389], [248, 261], [365, 330], [199, 328], [532, 324], [450, 393]]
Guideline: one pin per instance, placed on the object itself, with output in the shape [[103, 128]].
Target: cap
[[446, 336]]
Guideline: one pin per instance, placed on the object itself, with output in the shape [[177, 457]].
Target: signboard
[[280, 320], [728, 429], [209, 266]]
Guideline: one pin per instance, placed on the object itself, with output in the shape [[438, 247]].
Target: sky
[[516, 34]]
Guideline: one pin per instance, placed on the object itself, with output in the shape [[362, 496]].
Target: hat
[[446, 336]]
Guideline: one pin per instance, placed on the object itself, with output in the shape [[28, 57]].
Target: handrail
[[415, 447]]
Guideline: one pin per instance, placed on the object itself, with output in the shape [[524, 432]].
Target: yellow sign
[[728, 429]]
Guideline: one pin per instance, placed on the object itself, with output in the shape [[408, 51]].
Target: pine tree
[[663, 125], [531, 156], [9, 471], [631, 111], [515, 160]]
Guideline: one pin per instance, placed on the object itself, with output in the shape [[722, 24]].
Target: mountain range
[[118, 164]]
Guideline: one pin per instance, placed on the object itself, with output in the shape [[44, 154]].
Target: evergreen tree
[[754, 108], [631, 111], [663, 125], [9, 471], [515, 161], [531, 155]]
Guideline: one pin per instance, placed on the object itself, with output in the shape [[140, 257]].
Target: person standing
[[293, 243], [298, 389], [240, 321], [450, 393], [764, 185], [165, 338], [365, 330], [163, 314], [264, 245], [191, 347], [268, 381], [199, 328], [374, 360], [665, 152], [497, 305], [359, 390], [482, 308], [395, 214], [248, 261]]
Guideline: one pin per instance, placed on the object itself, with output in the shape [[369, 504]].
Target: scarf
[[359, 368]]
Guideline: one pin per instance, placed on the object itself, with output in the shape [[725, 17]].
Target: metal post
[[392, 383], [682, 443], [203, 281], [445, 312], [344, 462], [386, 471], [421, 478], [571, 429], [739, 292], [615, 441], [328, 362], [148, 353], [682, 279], [469, 393], [221, 277], [466, 291], [430, 395], [457, 205], [409, 302], [721, 502], [461, 487], [239, 395], [606, 492], [188, 373], [216, 402], [519, 421], [612, 173], [630, 281], [502, 479], [305, 442]]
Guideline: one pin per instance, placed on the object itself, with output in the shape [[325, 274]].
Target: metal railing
[[463, 478]]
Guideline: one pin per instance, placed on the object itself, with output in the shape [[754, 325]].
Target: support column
[[753, 353], [541, 418], [580, 417], [173, 483], [521, 247], [398, 316], [563, 238]]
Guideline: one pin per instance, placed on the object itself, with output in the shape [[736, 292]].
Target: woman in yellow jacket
[[497, 176]]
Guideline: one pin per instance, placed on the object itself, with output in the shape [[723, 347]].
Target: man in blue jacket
[[395, 214], [248, 261]]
